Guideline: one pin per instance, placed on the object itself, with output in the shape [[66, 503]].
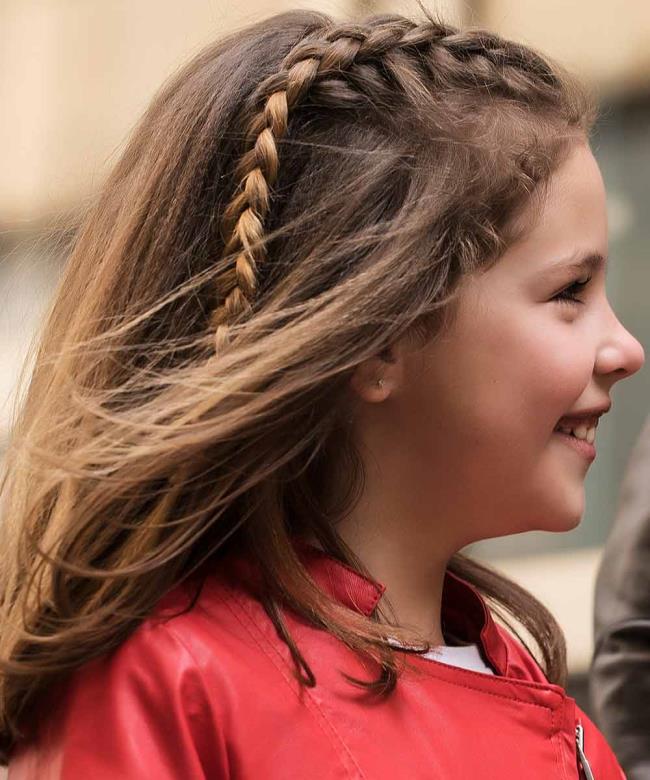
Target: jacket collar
[[464, 611]]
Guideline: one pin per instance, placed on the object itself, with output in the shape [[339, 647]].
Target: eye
[[568, 295]]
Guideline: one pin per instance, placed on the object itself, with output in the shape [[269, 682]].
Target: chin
[[559, 509], [563, 514], [562, 519], [555, 517], [552, 522], [561, 525]]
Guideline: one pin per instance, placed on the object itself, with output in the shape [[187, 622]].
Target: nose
[[620, 355]]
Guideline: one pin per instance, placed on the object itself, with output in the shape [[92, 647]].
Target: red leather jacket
[[210, 693]]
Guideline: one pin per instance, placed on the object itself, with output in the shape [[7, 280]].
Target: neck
[[413, 579], [403, 541]]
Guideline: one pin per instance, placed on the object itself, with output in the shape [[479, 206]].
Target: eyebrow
[[593, 261]]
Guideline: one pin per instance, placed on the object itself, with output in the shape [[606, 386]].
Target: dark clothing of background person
[[620, 673]]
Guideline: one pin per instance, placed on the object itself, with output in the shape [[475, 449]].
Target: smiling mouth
[[581, 427], [583, 446], [582, 432]]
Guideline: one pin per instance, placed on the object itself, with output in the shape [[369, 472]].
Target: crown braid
[[469, 59]]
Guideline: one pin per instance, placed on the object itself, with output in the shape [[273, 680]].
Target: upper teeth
[[581, 432]]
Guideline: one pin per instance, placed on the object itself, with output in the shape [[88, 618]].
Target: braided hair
[[370, 62]]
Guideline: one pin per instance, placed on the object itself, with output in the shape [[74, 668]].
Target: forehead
[[571, 225], [576, 194]]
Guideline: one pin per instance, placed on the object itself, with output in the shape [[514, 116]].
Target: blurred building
[[74, 77]]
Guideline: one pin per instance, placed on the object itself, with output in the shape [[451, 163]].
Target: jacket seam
[[442, 679], [559, 753], [479, 676], [280, 664], [496, 695]]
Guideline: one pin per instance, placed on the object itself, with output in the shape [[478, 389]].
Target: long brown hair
[[298, 196]]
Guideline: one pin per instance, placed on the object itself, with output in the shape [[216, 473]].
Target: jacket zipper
[[582, 758]]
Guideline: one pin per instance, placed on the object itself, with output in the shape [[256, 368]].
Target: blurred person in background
[[339, 312], [620, 673]]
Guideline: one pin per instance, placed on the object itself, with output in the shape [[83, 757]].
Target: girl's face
[[473, 414]]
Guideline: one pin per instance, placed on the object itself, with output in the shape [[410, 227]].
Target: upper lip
[[584, 416]]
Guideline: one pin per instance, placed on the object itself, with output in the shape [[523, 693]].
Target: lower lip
[[579, 445]]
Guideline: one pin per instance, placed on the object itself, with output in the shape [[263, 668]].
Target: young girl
[[338, 312]]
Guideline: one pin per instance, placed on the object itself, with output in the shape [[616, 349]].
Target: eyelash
[[568, 294]]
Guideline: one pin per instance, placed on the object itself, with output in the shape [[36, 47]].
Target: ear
[[376, 378]]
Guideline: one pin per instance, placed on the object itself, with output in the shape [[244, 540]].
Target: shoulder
[[113, 716], [216, 633], [182, 673], [213, 621]]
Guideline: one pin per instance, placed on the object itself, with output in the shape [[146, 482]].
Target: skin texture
[[458, 442]]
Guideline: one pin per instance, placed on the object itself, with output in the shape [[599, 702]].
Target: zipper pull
[[582, 758]]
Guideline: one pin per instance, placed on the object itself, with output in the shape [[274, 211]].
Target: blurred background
[[75, 75]]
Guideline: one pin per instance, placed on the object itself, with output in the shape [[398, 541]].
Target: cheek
[[478, 421], [494, 391], [527, 366], [554, 366]]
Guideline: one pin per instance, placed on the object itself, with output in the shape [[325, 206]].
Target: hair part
[[297, 197]]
